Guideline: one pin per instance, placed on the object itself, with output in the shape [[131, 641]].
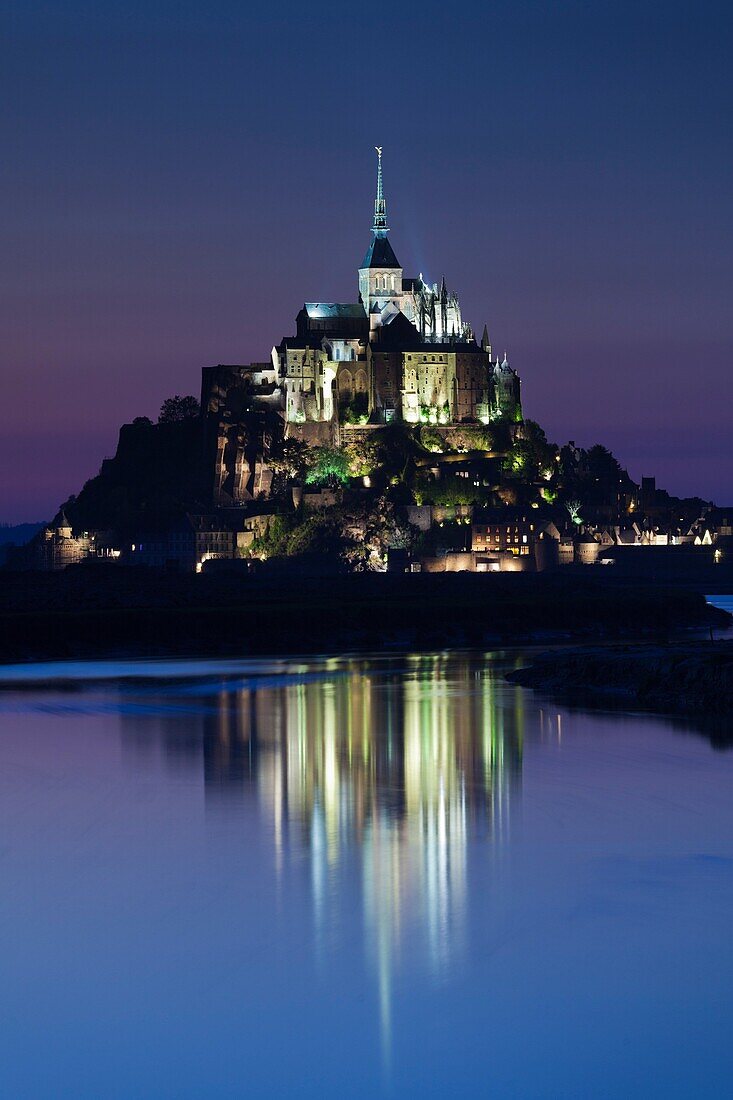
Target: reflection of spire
[[380, 207]]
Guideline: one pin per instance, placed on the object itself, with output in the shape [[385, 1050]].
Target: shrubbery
[[452, 535], [433, 440], [286, 536], [355, 411], [450, 491], [363, 456], [327, 466], [472, 437]]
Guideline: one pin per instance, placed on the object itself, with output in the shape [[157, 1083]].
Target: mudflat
[[109, 612]]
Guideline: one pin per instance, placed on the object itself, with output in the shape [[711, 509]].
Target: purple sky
[[177, 179]]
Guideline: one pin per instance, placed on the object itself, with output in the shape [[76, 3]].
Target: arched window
[[345, 385], [392, 277], [361, 381]]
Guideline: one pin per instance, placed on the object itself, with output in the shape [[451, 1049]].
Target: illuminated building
[[403, 351], [55, 546]]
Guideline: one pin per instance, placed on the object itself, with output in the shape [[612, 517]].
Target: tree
[[143, 421], [328, 466], [289, 457], [370, 531], [530, 456], [273, 542], [398, 449], [596, 479], [432, 440], [573, 507], [175, 409], [542, 455], [363, 456], [355, 411], [602, 465]]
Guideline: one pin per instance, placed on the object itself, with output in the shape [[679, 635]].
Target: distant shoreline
[[694, 678], [85, 614]]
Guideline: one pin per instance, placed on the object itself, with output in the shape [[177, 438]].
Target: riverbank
[[84, 613], [689, 677]]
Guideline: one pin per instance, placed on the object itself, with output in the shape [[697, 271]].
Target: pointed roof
[[379, 254], [60, 519]]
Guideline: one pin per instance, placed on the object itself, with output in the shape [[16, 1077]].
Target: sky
[[177, 179]]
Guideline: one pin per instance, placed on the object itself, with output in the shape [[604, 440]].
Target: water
[[371, 877], [725, 602]]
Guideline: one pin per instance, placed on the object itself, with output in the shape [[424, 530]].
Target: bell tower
[[380, 274]]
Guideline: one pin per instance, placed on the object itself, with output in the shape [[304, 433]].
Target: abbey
[[402, 351]]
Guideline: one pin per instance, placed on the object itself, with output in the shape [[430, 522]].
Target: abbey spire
[[380, 228], [380, 253]]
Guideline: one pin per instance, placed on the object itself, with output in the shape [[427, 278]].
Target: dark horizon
[[178, 182]]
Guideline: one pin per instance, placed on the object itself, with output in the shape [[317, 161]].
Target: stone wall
[[316, 433]]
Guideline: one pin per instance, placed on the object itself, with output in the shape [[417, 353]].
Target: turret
[[61, 525], [443, 308], [507, 391]]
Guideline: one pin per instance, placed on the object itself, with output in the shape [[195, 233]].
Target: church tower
[[380, 274]]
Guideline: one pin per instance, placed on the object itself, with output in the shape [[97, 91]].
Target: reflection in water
[[277, 860], [400, 758]]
